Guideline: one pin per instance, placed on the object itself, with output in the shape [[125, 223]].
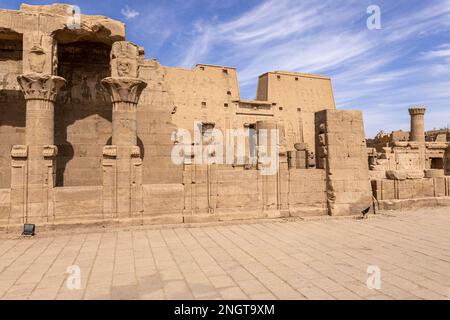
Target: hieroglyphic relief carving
[[36, 58], [124, 59]]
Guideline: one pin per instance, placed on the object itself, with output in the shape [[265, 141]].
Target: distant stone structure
[[410, 173], [88, 128]]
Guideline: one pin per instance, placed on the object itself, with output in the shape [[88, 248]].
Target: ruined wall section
[[342, 153], [296, 98], [411, 193]]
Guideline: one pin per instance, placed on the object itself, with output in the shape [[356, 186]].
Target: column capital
[[417, 111], [38, 86], [124, 89]]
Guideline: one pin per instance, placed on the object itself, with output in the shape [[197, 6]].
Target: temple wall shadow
[[83, 113], [12, 102]]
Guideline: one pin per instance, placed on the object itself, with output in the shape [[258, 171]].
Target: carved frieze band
[[36, 86]]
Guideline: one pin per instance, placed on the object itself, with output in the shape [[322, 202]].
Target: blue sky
[[382, 72]]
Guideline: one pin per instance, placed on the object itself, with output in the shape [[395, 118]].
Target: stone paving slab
[[315, 259]]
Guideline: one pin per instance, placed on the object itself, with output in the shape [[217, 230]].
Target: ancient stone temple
[[89, 129], [411, 172]]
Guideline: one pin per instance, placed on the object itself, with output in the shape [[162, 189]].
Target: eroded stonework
[[88, 126]]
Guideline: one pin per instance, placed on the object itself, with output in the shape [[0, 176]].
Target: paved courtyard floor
[[313, 259]]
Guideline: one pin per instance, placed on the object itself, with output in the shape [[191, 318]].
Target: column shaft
[[33, 164], [124, 124], [417, 133]]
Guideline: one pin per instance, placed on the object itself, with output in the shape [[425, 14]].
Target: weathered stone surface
[[447, 162], [415, 174], [417, 124], [396, 175], [124, 89], [87, 131], [434, 173], [344, 159], [37, 86]]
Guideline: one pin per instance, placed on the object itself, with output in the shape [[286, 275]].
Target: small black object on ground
[[29, 229]]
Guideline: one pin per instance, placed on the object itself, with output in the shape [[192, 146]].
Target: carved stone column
[[417, 134], [125, 93], [122, 165], [33, 164], [417, 124]]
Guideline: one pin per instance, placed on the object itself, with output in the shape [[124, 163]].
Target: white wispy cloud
[[129, 13], [382, 72], [441, 52]]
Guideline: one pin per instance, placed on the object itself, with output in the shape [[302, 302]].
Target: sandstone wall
[[385, 189], [342, 153], [447, 161], [297, 97], [12, 104], [155, 127], [307, 192], [72, 204], [221, 192], [412, 193], [4, 206], [202, 94]]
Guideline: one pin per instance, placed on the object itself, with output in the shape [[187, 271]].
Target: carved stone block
[[50, 151], [124, 59], [19, 151], [135, 152], [110, 151]]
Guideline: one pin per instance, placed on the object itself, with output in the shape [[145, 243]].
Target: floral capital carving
[[37, 86], [420, 111], [124, 89]]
